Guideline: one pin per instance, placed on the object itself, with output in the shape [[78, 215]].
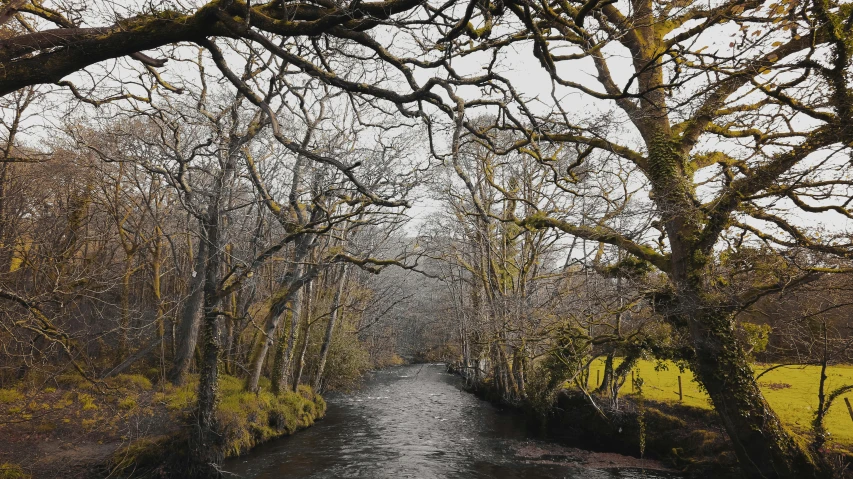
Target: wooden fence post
[[597, 377], [849, 408], [680, 392], [633, 387]]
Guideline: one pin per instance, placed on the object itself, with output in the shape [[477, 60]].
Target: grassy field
[[791, 391]]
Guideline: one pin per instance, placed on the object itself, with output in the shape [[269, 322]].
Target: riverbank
[[685, 437], [128, 427]]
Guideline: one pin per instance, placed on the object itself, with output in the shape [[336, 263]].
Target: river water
[[416, 422]]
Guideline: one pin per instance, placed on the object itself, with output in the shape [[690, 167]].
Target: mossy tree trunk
[[286, 297], [765, 449], [330, 328], [305, 320], [280, 376], [189, 321], [205, 442]]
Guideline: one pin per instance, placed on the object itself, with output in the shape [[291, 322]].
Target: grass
[[245, 420], [791, 392]]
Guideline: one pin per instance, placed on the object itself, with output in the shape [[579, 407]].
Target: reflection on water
[[413, 422]]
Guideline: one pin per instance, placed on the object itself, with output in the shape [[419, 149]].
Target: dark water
[[414, 422]]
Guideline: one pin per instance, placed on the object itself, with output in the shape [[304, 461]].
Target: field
[[790, 390]]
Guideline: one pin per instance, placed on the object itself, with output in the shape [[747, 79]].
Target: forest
[[214, 212]]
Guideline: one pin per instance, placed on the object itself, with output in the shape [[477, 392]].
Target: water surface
[[416, 422]]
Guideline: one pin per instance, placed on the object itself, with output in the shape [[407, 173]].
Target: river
[[417, 422]]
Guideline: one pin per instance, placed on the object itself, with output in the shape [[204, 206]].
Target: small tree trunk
[[607, 380], [330, 329], [281, 365], [306, 328], [818, 425], [190, 319], [277, 310], [205, 440], [125, 302]]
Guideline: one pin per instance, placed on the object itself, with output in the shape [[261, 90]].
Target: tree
[[723, 136], [30, 55]]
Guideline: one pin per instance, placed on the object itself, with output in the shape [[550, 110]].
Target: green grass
[[791, 391]]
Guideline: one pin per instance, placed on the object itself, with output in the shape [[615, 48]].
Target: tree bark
[[190, 320], [281, 368], [48, 56], [330, 329], [765, 449], [306, 329], [277, 311], [205, 441]]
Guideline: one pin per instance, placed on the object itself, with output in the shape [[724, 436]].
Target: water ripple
[[416, 422]]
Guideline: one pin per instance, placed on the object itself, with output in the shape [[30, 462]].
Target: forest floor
[[790, 390], [72, 428]]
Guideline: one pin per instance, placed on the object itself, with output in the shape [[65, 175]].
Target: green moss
[[12, 471], [148, 450], [10, 395], [127, 403], [135, 382], [248, 418], [245, 419], [72, 381], [658, 419], [87, 401], [178, 398]]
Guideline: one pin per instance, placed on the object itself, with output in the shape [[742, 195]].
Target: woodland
[[213, 207]]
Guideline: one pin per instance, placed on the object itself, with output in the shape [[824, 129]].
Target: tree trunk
[[291, 287], [330, 329], [205, 440], [125, 303], [605, 386], [277, 310], [765, 449], [306, 328], [190, 321], [281, 365]]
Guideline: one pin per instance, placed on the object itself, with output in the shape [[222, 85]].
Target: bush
[[347, 363]]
